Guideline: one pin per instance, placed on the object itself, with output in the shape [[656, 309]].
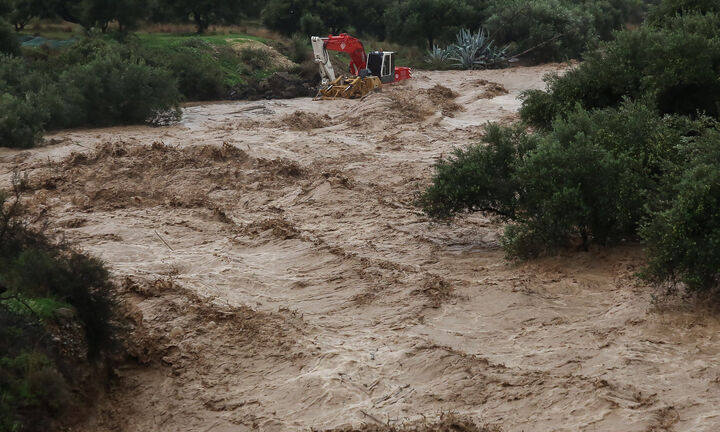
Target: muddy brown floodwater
[[280, 279]]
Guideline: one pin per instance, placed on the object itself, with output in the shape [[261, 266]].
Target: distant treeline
[[567, 24]]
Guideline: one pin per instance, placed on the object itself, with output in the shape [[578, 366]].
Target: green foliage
[[311, 24], [111, 90], [21, 122], [22, 114], [425, 22], [668, 9], [203, 13], [41, 307], [198, 73], [475, 50], [556, 29], [17, 12], [99, 13], [93, 82], [684, 237], [255, 58], [298, 49], [8, 40], [587, 180], [552, 30], [213, 66], [31, 391], [437, 57], [481, 177], [307, 16], [674, 66], [590, 179]]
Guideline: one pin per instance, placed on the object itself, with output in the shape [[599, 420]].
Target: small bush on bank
[[674, 66], [21, 122], [481, 177]]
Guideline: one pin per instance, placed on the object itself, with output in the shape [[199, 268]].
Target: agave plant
[[475, 50], [437, 55]]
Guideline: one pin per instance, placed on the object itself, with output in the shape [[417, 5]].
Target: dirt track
[[280, 279]]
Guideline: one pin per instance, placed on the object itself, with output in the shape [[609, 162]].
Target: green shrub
[[21, 122], [556, 29], [481, 177], [32, 391], [298, 49], [668, 9], [675, 66], [581, 191], [612, 15], [684, 238], [93, 82], [110, 90], [199, 74], [587, 180], [553, 30], [9, 43]]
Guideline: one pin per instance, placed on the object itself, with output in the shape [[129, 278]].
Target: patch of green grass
[[41, 307], [220, 49]]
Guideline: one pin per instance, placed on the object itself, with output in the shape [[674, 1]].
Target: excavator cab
[[382, 65]]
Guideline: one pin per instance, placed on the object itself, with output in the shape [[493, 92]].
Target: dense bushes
[[684, 235], [94, 82], [550, 29], [588, 180], [627, 148], [8, 40], [668, 9], [675, 66], [111, 90], [47, 294], [558, 30]]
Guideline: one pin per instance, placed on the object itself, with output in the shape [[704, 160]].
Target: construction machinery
[[368, 72]]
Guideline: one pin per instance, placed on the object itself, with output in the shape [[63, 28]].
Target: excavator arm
[[350, 45], [342, 43]]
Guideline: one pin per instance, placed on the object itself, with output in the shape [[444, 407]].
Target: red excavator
[[367, 72]]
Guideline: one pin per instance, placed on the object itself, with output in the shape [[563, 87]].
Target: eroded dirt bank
[[280, 279]]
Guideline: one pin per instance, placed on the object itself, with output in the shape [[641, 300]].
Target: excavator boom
[[350, 45]]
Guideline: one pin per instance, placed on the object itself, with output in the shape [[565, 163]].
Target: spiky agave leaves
[[437, 57], [475, 50]]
